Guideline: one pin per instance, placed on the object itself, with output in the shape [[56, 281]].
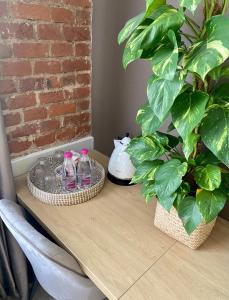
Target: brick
[[19, 31], [78, 3], [5, 51], [33, 114], [12, 119], [49, 125], [24, 130], [80, 93], [45, 140], [75, 33], [7, 86], [77, 119], [21, 101], [83, 130], [61, 49], [82, 49], [23, 31], [51, 97], [18, 68], [62, 15], [83, 17], [6, 30], [83, 79], [3, 9], [83, 105], [49, 32], [30, 50], [54, 82], [61, 109], [30, 11], [75, 65], [19, 146], [65, 134], [47, 67], [31, 84], [68, 80]]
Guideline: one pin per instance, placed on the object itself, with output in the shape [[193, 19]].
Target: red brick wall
[[45, 72]]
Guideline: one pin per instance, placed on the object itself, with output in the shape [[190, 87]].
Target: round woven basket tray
[[60, 197]]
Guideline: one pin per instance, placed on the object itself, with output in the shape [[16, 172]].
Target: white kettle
[[120, 167]]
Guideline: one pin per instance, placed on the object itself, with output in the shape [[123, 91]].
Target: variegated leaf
[[166, 58], [130, 26], [213, 50], [148, 120], [210, 203], [168, 178], [166, 17], [215, 132], [187, 112], [162, 93], [189, 144], [190, 4], [208, 177], [151, 5]]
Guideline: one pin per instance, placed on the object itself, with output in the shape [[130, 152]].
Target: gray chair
[[57, 272]]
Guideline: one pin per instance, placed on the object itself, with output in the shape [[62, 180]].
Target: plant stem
[[188, 37], [193, 22], [225, 5], [192, 27]]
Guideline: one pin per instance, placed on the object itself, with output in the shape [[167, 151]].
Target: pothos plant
[[188, 169]]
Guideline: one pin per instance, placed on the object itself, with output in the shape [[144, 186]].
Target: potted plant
[[186, 168]]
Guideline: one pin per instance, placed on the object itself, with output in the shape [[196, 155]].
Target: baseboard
[[22, 164]]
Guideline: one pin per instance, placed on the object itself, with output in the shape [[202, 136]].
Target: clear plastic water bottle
[[84, 170], [68, 173]]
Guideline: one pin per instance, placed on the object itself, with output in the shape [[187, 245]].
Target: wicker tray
[[171, 224], [59, 197]]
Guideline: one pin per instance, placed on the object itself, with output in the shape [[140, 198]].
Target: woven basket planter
[[171, 224]]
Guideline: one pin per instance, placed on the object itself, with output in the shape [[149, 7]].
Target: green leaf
[[168, 201], [162, 93], [144, 149], [171, 127], [219, 72], [187, 112], [165, 18], [173, 141], [148, 191], [210, 203], [213, 50], [130, 26], [129, 55], [145, 170], [166, 58], [189, 144], [215, 132], [208, 177], [148, 120], [190, 4], [222, 92], [189, 213], [182, 192], [168, 178], [152, 5], [206, 158]]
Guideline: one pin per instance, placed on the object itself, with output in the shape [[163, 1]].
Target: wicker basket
[[64, 198], [171, 224]]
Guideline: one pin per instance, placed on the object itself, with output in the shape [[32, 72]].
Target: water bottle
[[84, 170], [68, 173]]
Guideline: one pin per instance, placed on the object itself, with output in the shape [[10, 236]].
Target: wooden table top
[[113, 238]]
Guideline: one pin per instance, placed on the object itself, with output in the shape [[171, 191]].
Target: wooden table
[[113, 238]]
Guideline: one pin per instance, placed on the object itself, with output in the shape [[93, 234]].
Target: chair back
[[57, 271]]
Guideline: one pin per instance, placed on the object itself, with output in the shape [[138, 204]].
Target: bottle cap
[[84, 151], [68, 154]]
